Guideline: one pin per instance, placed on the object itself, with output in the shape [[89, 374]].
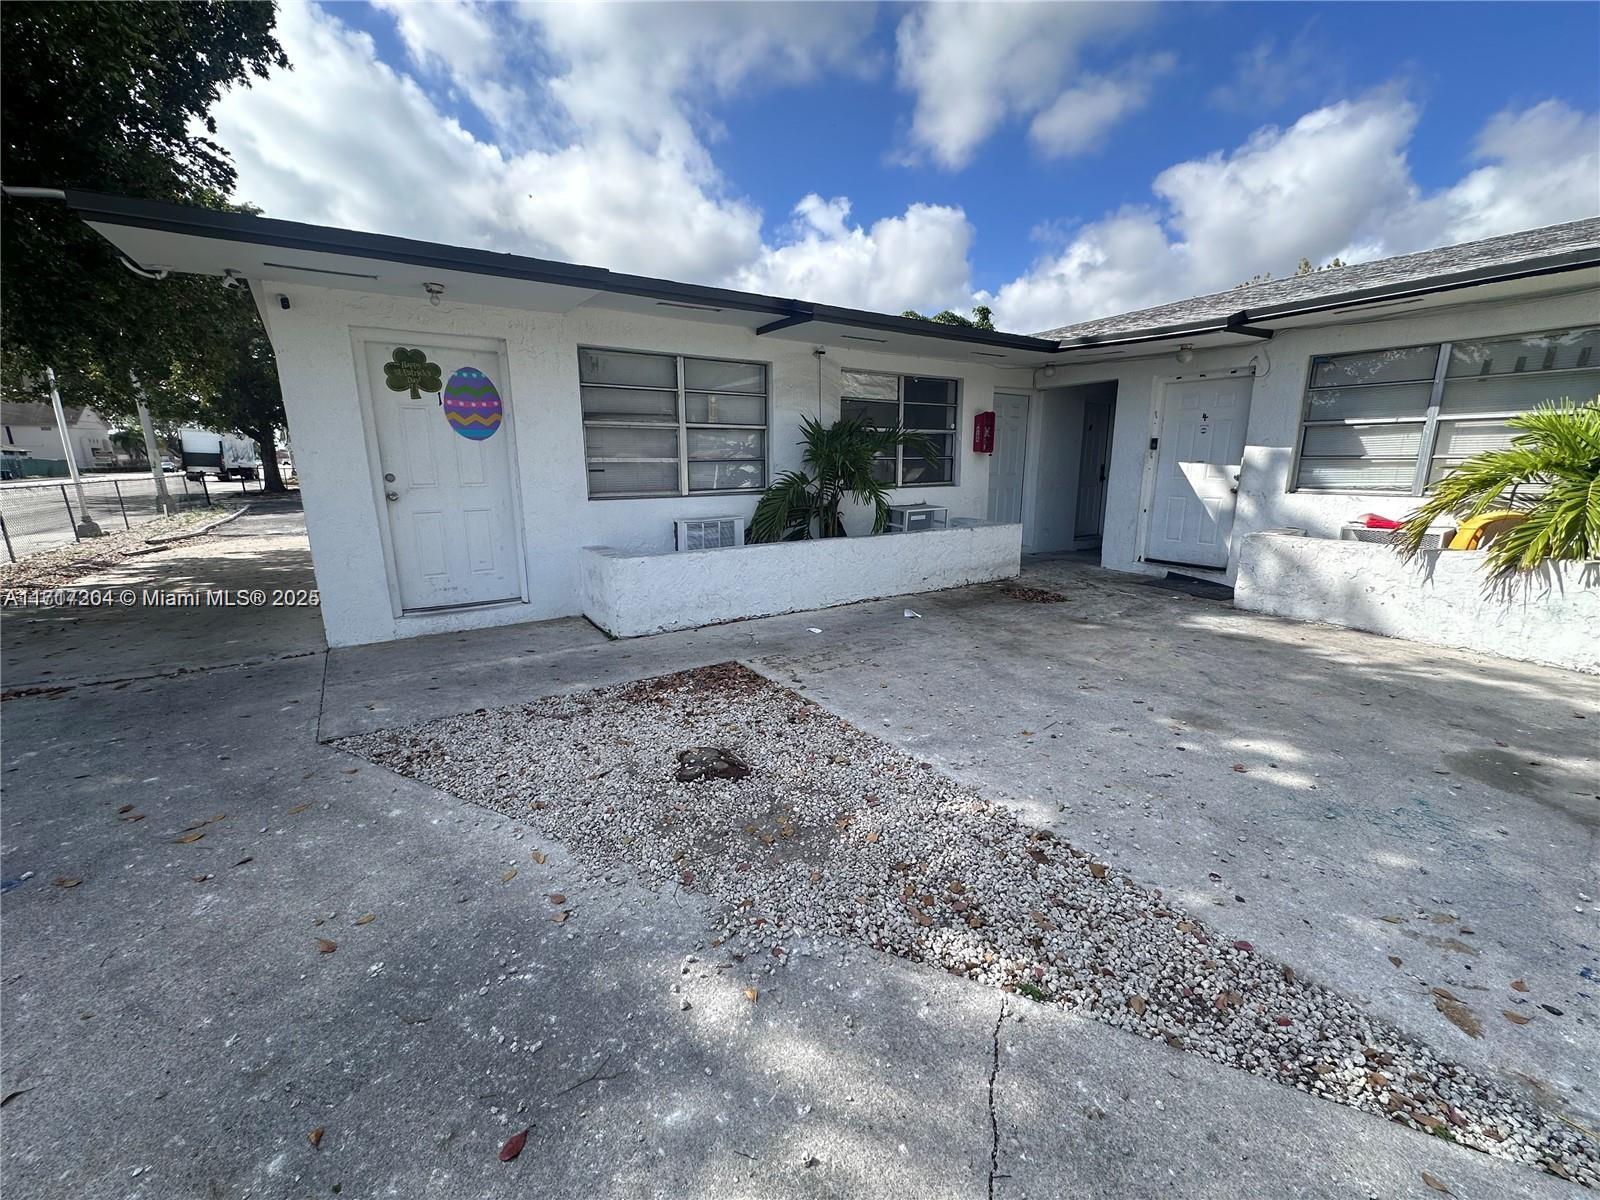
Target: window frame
[[1429, 421], [682, 424], [954, 432]]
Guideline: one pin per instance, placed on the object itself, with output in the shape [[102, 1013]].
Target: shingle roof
[[1504, 251]]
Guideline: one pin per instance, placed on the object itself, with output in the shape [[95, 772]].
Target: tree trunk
[[271, 479]]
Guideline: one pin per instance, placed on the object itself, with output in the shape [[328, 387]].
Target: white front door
[[1010, 450], [1199, 451], [448, 495]]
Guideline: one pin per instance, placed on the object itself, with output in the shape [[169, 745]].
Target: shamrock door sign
[[410, 370]]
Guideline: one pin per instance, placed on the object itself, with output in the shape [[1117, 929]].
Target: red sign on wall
[[983, 433]]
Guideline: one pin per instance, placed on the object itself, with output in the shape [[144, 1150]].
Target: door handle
[[391, 496]]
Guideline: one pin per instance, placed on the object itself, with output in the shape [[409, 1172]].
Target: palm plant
[[838, 463], [1550, 473]]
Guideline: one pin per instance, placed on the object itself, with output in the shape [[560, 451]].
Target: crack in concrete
[[994, 1121]]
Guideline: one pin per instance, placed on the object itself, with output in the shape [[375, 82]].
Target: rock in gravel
[[785, 817]]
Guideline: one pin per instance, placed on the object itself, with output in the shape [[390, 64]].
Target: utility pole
[[86, 526], [151, 454]]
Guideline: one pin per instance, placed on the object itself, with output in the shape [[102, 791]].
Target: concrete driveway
[[174, 1028]]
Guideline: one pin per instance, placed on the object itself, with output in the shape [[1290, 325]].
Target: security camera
[[819, 351], [283, 302]]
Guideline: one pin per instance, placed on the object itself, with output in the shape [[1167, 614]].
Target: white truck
[[218, 455]]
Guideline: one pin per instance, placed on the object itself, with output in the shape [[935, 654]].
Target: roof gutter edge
[[1572, 260]]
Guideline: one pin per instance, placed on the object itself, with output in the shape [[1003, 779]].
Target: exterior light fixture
[[1048, 370], [1186, 353], [434, 290]]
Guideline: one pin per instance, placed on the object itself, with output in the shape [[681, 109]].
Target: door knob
[[391, 496]]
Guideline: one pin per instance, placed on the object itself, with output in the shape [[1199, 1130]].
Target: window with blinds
[[670, 425], [1398, 420], [919, 403]]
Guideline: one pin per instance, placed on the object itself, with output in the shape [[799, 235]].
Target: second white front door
[[1010, 452], [445, 466], [1199, 453]]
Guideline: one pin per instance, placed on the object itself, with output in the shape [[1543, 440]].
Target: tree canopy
[[982, 317], [116, 97]]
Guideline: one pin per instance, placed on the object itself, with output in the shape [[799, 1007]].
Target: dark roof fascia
[[1568, 260], [294, 235]]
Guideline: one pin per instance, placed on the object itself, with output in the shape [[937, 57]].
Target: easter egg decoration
[[471, 404]]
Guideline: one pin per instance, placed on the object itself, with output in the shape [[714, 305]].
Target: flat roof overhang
[[180, 238]]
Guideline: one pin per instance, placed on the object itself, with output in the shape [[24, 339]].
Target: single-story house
[[29, 431], [485, 438]]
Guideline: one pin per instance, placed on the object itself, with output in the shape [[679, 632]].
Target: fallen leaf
[[557, 899], [134, 817], [1436, 1183], [1444, 994], [561, 917], [1245, 946], [125, 808], [919, 916], [200, 878], [188, 838], [1519, 985], [366, 918], [1098, 870], [1516, 1018], [509, 876], [298, 809], [315, 1136], [513, 1146], [324, 946], [1240, 767], [752, 994], [1137, 1004], [350, 770], [1459, 1015], [10, 1096], [1393, 920], [873, 836], [1395, 959], [248, 858], [538, 857], [64, 881]]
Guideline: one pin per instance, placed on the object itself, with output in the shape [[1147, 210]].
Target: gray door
[[1093, 468], [1010, 451]]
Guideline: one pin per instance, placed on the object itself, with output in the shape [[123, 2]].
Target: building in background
[[28, 431]]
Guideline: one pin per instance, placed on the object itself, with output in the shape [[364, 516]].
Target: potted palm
[[839, 462], [1549, 475]]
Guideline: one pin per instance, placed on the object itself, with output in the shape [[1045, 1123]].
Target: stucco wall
[[317, 367], [1280, 367], [1553, 618], [632, 594]]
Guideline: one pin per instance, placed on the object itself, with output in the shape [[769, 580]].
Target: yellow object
[[1471, 535]]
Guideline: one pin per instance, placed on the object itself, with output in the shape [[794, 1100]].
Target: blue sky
[[1058, 161]]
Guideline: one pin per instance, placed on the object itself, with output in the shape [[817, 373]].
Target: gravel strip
[[834, 833]]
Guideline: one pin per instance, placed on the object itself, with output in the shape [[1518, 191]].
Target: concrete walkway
[[179, 1032]]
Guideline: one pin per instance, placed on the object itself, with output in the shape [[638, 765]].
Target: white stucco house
[[485, 438], [29, 431]]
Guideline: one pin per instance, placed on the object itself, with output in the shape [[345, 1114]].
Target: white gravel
[[835, 834]]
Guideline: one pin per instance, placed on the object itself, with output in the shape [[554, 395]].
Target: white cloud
[[918, 260], [972, 66], [1335, 183], [1079, 119]]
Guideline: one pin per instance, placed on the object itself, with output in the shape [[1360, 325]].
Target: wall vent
[[708, 533]]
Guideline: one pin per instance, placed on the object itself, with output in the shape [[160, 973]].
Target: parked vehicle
[[218, 455], [168, 466]]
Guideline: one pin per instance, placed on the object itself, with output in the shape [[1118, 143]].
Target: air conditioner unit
[[708, 533]]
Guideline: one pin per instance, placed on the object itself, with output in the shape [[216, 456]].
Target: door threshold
[[1221, 572], [450, 608]]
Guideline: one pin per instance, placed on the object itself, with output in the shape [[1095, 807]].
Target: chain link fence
[[41, 516]]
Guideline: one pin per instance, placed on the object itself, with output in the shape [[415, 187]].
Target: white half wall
[[1440, 598], [630, 594]]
